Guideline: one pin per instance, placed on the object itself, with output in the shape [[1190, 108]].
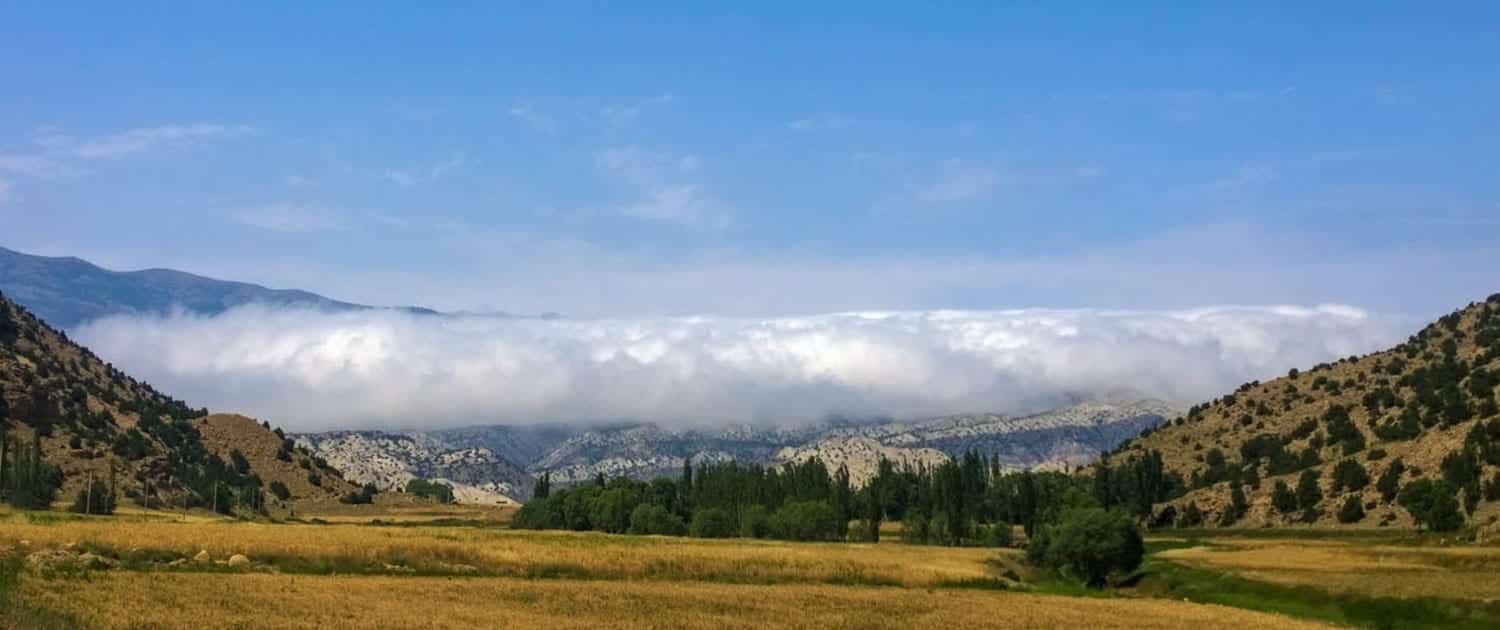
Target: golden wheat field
[[1384, 570], [351, 548], [348, 575], [147, 600]]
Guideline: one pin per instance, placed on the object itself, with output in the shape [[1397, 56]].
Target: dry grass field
[[450, 568], [147, 600], [468, 574], [1341, 566], [487, 551]]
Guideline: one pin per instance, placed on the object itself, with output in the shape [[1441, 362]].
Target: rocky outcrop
[[1059, 439]]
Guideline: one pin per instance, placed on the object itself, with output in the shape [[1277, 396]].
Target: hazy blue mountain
[[66, 292]]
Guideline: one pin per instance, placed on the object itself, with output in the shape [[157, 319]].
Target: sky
[[649, 161]]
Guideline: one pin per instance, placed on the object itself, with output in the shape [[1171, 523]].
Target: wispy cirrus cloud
[[666, 187], [35, 165], [958, 181], [55, 154], [822, 123], [409, 177], [143, 139], [291, 218], [620, 115], [533, 118]]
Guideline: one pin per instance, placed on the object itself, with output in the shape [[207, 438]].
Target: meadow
[[449, 569]]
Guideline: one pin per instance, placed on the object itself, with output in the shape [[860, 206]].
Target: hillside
[[67, 292], [89, 419], [1401, 426]]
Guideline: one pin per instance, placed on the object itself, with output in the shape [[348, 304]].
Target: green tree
[[914, 528], [655, 520], [543, 486], [711, 523], [755, 522], [805, 521], [1089, 544]]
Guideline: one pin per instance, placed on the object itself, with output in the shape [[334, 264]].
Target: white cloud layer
[[315, 371]]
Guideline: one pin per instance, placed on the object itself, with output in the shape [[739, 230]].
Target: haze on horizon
[[1034, 207]]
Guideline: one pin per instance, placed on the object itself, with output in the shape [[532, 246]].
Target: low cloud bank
[[310, 371]]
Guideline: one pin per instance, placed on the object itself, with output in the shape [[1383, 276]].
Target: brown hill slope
[[1366, 427], [88, 419]]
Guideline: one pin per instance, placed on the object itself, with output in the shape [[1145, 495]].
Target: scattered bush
[[96, 498], [1352, 511], [365, 495], [280, 490]]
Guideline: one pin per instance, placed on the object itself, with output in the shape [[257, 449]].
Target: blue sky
[[633, 160]]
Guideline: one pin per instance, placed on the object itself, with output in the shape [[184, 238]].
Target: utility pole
[[88, 495]]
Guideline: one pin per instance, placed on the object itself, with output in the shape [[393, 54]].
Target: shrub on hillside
[[1350, 475], [365, 495], [280, 490], [1351, 511], [1282, 498], [1309, 493], [1432, 504], [1191, 516]]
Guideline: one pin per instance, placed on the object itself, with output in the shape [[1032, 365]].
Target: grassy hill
[[1408, 435], [89, 421]]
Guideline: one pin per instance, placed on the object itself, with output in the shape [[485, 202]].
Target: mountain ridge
[[1063, 438], [67, 291]]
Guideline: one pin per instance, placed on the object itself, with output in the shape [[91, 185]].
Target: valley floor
[[171, 571], [179, 600]]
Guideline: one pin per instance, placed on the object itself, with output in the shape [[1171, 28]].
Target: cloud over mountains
[[311, 370]]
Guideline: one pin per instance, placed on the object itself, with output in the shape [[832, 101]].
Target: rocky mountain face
[[505, 460], [390, 460]]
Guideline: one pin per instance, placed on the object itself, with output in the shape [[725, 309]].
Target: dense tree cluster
[[796, 502], [437, 490], [26, 479]]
